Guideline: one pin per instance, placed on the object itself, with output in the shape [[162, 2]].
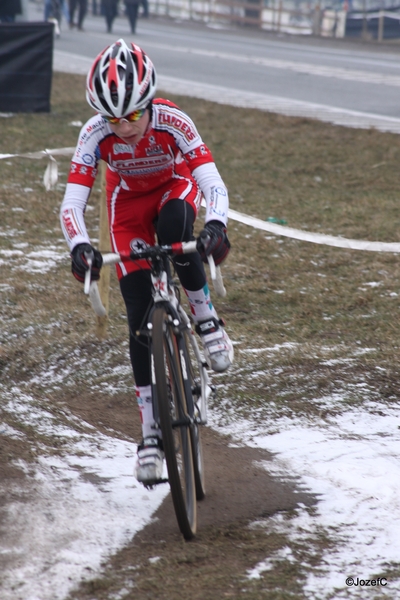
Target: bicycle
[[180, 383]]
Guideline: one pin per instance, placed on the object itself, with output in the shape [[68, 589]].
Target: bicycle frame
[[163, 291]]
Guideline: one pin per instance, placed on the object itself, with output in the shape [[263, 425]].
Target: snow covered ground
[[79, 508], [85, 505], [352, 464]]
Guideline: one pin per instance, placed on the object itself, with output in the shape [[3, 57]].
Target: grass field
[[334, 313]]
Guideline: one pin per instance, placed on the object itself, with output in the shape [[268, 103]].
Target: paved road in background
[[335, 74]]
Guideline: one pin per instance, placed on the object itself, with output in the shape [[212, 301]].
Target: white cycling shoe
[[218, 348], [150, 460]]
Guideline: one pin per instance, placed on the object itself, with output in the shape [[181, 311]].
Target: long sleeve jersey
[[170, 148]]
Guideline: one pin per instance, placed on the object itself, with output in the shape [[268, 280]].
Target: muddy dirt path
[[158, 562], [237, 485]]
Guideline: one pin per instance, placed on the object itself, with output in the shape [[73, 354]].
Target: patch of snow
[[352, 463], [83, 506]]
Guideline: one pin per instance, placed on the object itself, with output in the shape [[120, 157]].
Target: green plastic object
[[277, 221]]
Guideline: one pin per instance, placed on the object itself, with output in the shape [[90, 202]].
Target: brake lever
[[215, 272], [216, 277], [88, 274]]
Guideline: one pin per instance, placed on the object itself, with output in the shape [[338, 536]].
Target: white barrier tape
[[315, 238], [374, 15], [42, 153], [51, 175]]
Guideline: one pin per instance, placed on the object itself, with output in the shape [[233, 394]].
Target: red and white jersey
[[170, 148]]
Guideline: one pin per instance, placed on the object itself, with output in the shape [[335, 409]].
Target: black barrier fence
[[371, 22], [26, 61]]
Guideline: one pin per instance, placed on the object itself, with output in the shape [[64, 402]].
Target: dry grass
[[329, 304]]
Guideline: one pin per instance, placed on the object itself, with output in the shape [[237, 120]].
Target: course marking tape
[[297, 234], [316, 238]]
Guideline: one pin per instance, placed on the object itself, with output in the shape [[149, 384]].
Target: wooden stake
[[104, 246]]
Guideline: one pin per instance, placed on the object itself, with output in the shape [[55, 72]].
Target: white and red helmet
[[122, 79]]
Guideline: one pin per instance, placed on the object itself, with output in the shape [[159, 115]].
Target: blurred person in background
[[52, 9], [132, 9], [81, 5], [145, 4], [110, 11]]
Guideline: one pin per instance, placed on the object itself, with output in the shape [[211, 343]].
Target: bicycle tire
[[193, 369], [172, 406]]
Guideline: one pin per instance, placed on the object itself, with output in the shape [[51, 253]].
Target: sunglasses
[[131, 118]]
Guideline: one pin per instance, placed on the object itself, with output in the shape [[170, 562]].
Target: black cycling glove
[[213, 240], [80, 265]]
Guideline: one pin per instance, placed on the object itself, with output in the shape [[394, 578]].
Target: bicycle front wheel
[[174, 420], [193, 367]]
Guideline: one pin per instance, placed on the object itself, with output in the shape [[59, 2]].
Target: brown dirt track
[[239, 491]]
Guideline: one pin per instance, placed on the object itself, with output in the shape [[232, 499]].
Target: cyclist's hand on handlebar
[[80, 255], [213, 240]]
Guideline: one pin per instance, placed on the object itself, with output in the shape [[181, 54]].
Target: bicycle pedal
[[213, 391], [151, 486]]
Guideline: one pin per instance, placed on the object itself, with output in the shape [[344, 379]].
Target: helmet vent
[[128, 88], [114, 94], [115, 50]]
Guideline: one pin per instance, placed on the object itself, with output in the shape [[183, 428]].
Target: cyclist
[[158, 170]]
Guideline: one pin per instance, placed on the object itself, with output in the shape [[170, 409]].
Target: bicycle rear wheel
[[174, 420]]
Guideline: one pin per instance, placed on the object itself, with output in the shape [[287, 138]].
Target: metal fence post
[[316, 22], [380, 25]]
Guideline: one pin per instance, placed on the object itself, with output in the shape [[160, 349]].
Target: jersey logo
[[88, 159], [68, 224], [122, 149], [217, 192], [176, 123], [154, 150], [137, 244], [221, 191], [165, 197]]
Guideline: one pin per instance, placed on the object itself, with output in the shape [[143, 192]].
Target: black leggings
[[174, 224], [82, 10]]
